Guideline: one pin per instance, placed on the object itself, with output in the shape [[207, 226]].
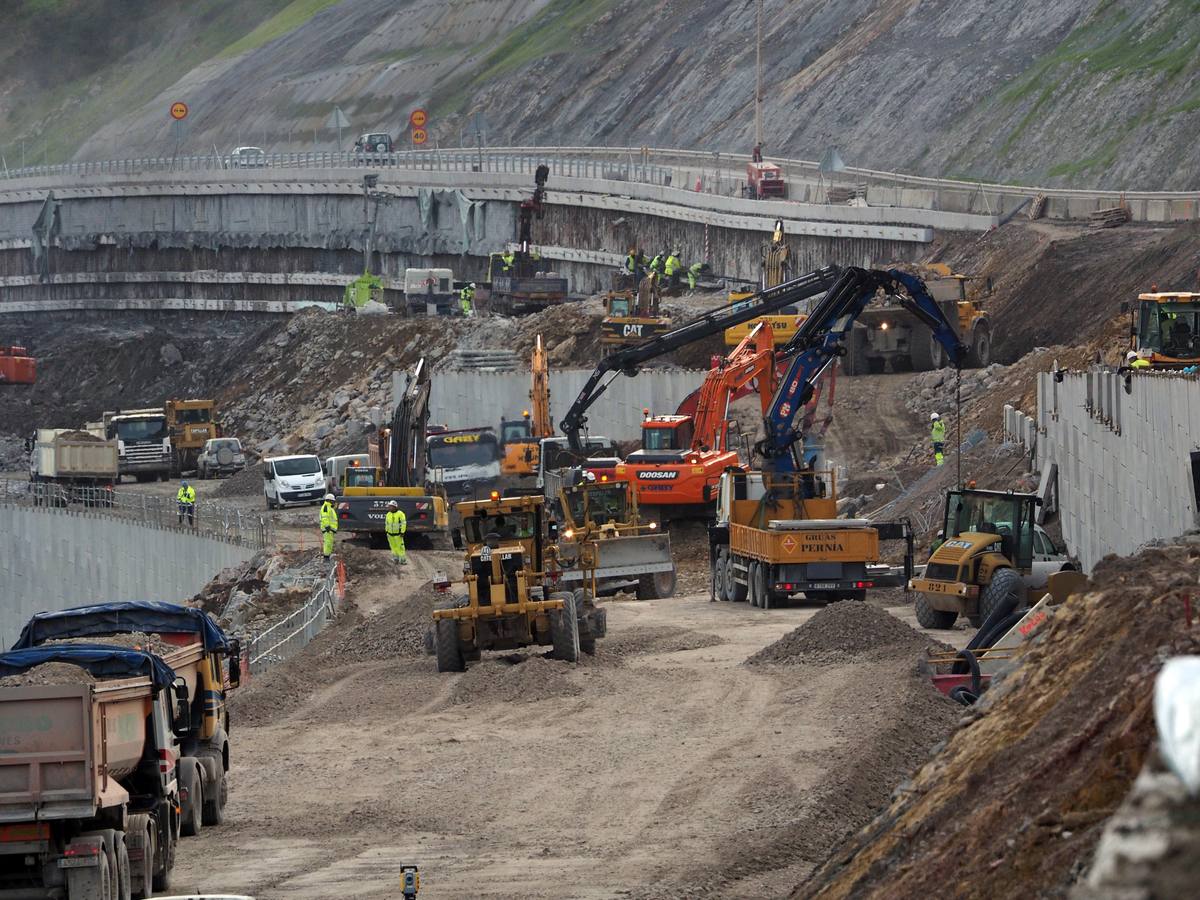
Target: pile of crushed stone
[[49, 673], [844, 632], [246, 483], [137, 640], [399, 630], [513, 678]]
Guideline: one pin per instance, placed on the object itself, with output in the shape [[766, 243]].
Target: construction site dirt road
[[662, 767]]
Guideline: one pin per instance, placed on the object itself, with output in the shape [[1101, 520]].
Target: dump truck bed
[[64, 747]]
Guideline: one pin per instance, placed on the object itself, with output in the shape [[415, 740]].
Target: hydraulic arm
[[406, 451], [629, 360], [819, 341]]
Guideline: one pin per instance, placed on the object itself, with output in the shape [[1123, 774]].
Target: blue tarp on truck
[[149, 616]]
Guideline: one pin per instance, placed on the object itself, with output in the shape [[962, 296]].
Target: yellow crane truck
[[511, 602]]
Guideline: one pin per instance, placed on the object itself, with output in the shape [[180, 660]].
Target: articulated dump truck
[[98, 780]]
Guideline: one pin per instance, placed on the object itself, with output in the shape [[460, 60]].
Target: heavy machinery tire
[[920, 352], [191, 780], [448, 647], [564, 629], [162, 874], [752, 583], [718, 574], [940, 359], [92, 883], [737, 590], [1005, 586], [762, 588], [981, 347], [139, 842], [124, 877], [657, 586], [213, 812], [928, 617]]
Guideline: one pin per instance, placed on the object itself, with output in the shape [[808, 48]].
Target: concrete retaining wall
[[1124, 458], [54, 559], [468, 399]]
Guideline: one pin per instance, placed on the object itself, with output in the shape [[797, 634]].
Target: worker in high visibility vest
[[693, 273], [937, 435], [395, 523], [329, 525], [672, 267], [466, 299], [186, 498]]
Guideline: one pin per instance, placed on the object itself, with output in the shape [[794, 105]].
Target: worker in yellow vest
[[672, 267], [186, 498], [395, 523], [329, 525], [937, 435]]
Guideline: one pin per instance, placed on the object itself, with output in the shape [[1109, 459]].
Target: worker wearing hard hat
[[466, 299], [329, 525], [672, 267], [1133, 361], [185, 497], [395, 523], [937, 434], [693, 273]]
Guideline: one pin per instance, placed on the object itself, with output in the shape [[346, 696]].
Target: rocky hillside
[[1088, 93]]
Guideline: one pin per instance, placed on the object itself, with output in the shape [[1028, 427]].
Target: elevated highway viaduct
[[192, 234]]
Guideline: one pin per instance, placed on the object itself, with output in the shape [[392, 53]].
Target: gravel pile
[[844, 632], [136, 640], [246, 483], [397, 631], [514, 678], [49, 673]]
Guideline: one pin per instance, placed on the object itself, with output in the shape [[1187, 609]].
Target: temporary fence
[[206, 519], [291, 634]]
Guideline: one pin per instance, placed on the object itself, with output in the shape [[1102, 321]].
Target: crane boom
[[539, 392], [406, 448], [818, 342], [629, 360]]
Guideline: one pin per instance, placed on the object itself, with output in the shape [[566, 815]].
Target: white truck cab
[[293, 480]]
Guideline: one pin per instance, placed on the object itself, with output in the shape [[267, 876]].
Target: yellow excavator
[[519, 438], [776, 269]]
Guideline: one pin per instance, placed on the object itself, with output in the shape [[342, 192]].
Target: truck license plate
[[824, 586], [78, 862]]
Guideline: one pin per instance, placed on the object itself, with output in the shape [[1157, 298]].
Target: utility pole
[[758, 80]]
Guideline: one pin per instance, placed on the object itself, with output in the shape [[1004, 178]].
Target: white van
[[289, 480]]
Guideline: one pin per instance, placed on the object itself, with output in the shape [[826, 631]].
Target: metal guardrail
[[210, 520], [652, 165], [294, 632]]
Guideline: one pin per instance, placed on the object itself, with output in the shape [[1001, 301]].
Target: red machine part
[[17, 366]]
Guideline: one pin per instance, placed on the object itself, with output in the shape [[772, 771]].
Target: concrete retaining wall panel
[[472, 399], [54, 559]]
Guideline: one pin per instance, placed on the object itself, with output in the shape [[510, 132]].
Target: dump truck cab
[[1166, 332], [992, 550], [509, 601]]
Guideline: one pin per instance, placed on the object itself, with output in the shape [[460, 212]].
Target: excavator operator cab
[[1008, 516], [667, 433], [593, 506], [1168, 329]]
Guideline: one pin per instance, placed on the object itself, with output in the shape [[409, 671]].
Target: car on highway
[[248, 158], [375, 142], [220, 456], [293, 480]]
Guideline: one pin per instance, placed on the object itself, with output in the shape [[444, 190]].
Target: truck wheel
[[752, 583], [981, 346], [449, 650], [1004, 590], [92, 883], [656, 586], [737, 590], [191, 780], [139, 841], [564, 629], [718, 574], [928, 617], [762, 587], [124, 880], [920, 353], [213, 812], [162, 872]]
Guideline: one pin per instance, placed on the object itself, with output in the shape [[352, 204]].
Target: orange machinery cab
[[668, 474], [764, 179], [1167, 329], [17, 366], [519, 447]]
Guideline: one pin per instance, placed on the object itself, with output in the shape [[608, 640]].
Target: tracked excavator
[[520, 438]]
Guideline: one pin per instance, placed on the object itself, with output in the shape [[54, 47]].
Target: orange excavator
[[676, 472], [519, 438], [17, 366]]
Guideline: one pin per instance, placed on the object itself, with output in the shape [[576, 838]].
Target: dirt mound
[[246, 483], [48, 673], [1049, 753], [514, 678], [362, 561], [138, 640], [616, 647], [843, 632], [398, 630]]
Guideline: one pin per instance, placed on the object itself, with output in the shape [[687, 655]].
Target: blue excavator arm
[[821, 339]]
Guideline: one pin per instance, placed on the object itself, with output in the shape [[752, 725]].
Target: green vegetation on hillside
[[555, 30], [287, 19]]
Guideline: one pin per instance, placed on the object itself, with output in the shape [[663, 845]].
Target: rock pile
[[845, 632]]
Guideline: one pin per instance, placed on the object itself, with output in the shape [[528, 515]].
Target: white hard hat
[[329, 497], [1131, 355], [933, 417], [392, 504]]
